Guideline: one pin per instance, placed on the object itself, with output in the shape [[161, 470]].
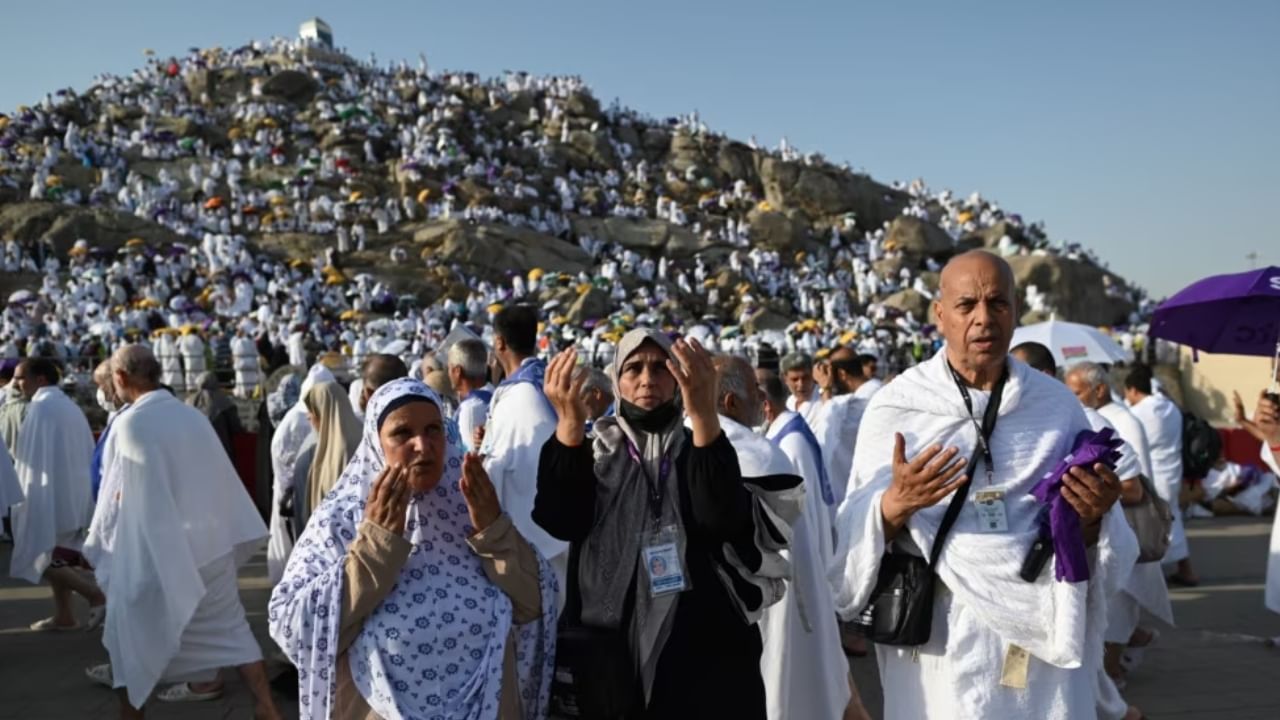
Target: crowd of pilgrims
[[480, 509], [683, 533], [213, 301]]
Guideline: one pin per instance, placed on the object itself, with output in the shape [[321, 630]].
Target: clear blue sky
[[1148, 130]]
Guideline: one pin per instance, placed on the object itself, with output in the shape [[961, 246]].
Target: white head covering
[[444, 622]]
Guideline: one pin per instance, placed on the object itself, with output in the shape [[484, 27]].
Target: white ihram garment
[[983, 606], [173, 525], [55, 447], [803, 665], [1162, 422]]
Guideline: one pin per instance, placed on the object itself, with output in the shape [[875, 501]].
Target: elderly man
[[175, 611], [1000, 646], [597, 392], [55, 447], [796, 370], [468, 363]]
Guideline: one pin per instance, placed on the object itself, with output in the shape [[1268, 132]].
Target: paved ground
[[1214, 665]]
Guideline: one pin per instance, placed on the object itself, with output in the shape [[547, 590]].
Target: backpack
[[1201, 447]]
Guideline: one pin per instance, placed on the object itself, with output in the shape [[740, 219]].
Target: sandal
[[100, 674], [182, 692], [49, 625]]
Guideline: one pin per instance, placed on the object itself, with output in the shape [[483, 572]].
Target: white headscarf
[[435, 645]]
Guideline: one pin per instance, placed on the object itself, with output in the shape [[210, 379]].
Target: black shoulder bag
[[900, 611]]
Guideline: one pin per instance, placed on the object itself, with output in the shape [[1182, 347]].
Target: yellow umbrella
[[536, 274], [423, 195], [135, 242], [494, 308], [355, 196]]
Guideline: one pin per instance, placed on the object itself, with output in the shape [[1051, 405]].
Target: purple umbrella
[[1235, 314]]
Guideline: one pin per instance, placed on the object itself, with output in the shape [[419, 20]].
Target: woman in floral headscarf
[[410, 594]]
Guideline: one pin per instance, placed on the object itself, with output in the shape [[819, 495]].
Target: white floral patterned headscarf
[[434, 647]]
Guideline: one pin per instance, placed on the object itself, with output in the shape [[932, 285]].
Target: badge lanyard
[[982, 439], [656, 490]]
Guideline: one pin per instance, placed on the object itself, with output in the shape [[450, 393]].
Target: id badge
[[660, 553], [991, 512]]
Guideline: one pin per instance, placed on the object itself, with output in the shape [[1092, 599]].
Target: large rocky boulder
[[989, 237], [591, 150], [909, 301], [737, 162], [291, 86], [222, 85], [643, 235], [491, 250], [823, 190], [64, 224], [781, 231], [592, 304], [1073, 288], [918, 239]]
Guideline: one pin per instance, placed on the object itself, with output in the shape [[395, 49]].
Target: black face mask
[[650, 421]]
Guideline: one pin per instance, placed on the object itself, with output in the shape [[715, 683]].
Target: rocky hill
[[294, 145]]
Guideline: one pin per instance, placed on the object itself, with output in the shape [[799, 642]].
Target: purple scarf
[[1060, 521]]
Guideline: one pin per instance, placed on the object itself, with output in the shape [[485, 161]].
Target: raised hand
[[696, 375], [389, 499], [918, 483], [564, 391], [478, 491], [1266, 417]]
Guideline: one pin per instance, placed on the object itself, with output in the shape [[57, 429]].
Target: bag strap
[[957, 500]]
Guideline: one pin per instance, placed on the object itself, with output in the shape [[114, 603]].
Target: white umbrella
[[1072, 342], [21, 297]]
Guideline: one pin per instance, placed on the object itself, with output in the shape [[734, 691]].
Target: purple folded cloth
[[1062, 523]]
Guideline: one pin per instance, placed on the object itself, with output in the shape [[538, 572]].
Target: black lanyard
[[988, 417]]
